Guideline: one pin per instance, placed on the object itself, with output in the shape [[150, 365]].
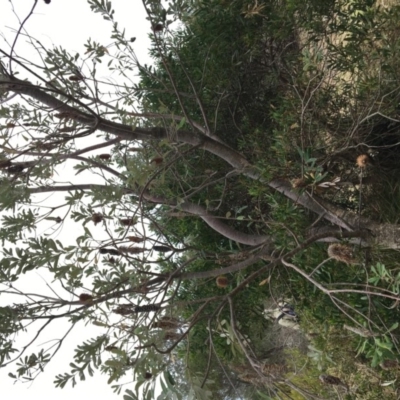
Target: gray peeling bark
[[125, 132], [379, 234], [386, 235]]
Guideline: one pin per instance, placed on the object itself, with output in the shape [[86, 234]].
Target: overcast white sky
[[68, 23]]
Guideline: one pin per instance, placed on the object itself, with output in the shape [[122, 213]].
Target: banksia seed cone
[[104, 156], [162, 249], [157, 160], [5, 164], [331, 380], [147, 308], [299, 183], [166, 323], [85, 298], [157, 27], [15, 169], [131, 250], [75, 78], [148, 375], [135, 239], [341, 252], [123, 309], [126, 221], [222, 281], [364, 160], [112, 252], [97, 217]]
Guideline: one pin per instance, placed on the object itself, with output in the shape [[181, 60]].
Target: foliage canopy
[[212, 186]]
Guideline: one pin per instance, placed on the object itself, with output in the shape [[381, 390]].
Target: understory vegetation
[[308, 92]]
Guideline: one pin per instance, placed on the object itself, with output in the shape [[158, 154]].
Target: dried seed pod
[[135, 239], [103, 49], [85, 298], [299, 183], [97, 217], [131, 250], [162, 249], [16, 168], [143, 289], [332, 380], [75, 78], [47, 1], [157, 27], [157, 160], [112, 252], [148, 375], [50, 146], [147, 308], [127, 221], [111, 348], [5, 164], [364, 160], [166, 323], [222, 281], [104, 156], [124, 309], [341, 252]]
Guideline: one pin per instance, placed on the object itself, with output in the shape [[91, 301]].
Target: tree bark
[[386, 235], [194, 209]]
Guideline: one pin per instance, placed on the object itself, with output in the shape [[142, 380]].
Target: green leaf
[[129, 395], [99, 323], [181, 124]]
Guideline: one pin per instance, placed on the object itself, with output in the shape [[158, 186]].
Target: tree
[[170, 195]]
